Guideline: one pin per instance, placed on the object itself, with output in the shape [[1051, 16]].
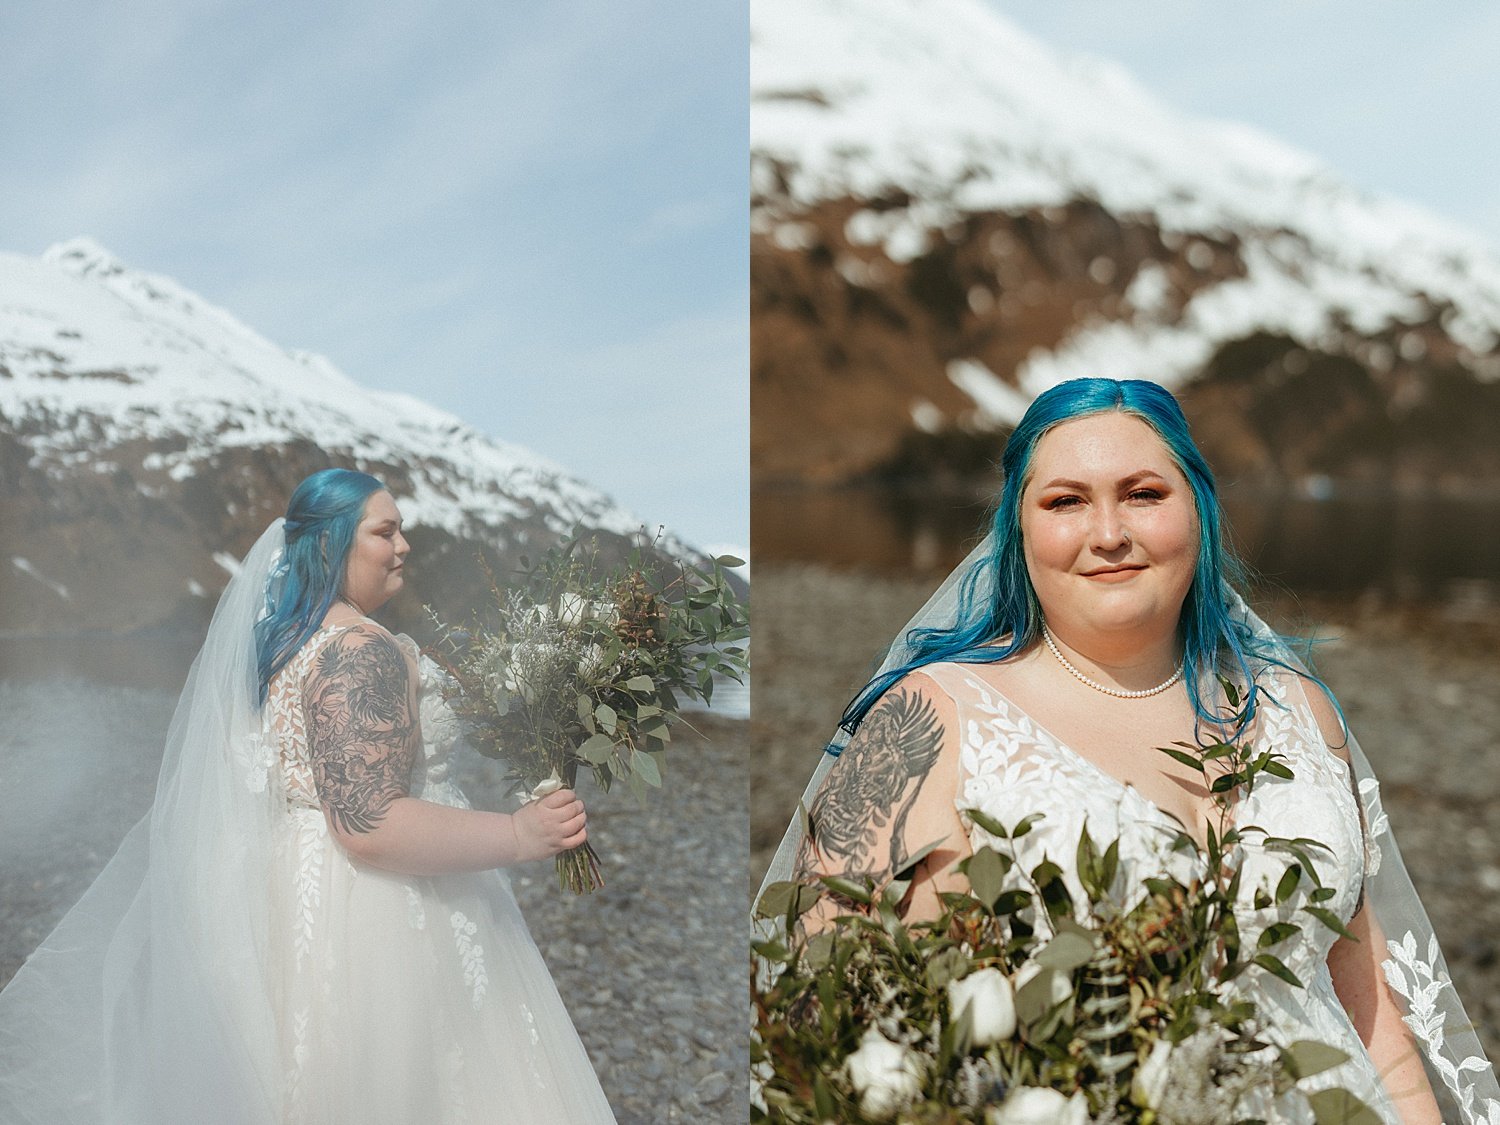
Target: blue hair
[[321, 518], [997, 601]]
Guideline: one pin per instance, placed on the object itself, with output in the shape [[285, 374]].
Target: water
[[1411, 549]]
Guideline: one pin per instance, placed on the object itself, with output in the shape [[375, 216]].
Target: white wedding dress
[[233, 964], [404, 999], [1010, 767]]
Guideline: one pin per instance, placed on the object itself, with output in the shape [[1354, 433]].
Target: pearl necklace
[[1118, 693]]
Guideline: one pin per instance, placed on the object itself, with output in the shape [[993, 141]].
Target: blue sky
[[530, 215], [1400, 98]]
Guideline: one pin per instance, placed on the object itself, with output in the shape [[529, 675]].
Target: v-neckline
[[1089, 764]]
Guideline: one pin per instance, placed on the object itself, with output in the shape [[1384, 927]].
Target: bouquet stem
[[578, 870]]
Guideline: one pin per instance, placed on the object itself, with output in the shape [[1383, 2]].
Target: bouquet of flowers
[[586, 666], [1018, 1005]]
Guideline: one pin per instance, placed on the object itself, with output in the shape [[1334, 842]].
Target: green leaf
[[787, 897], [1276, 933], [729, 562], [1222, 750], [1025, 824], [640, 683], [1189, 760], [1012, 902], [1322, 894], [1274, 966], [596, 749], [1307, 1057], [847, 888], [1288, 882], [1331, 920], [1339, 1107], [988, 823], [1065, 952], [1277, 769], [916, 857], [986, 875], [645, 765], [948, 965], [605, 714], [1224, 782]]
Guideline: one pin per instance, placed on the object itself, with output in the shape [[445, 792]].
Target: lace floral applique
[[309, 889], [1379, 824], [416, 911], [258, 756], [472, 955], [1421, 984], [296, 1109]]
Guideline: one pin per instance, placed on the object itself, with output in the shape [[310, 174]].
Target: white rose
[[1031, 1105], [1059, 989], [991, 1003], [573, 609], [1150, 1081], [592, 662], [885, 1075]]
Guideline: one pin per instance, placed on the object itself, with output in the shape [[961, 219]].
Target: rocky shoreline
[[1417, 685]]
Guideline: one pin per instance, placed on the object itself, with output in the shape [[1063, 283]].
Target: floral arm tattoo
[[362, 728], [875, 783]]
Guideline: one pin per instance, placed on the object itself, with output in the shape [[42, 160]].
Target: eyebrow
[[1123, 482]]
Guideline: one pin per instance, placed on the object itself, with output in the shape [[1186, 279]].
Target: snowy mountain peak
[[961, 216], [109, 372], [83, 256]]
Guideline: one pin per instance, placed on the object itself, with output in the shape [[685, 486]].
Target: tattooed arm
[[363, 736], [889, 795]]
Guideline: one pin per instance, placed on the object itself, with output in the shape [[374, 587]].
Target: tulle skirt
[[404, 999]]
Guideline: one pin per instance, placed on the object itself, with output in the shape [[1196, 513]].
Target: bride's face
[[374, 571], [1108, 527]]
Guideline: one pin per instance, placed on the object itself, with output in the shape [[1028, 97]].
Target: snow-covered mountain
[[950, 216], [146, 437]]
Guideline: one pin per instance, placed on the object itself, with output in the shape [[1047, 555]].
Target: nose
[[403, 548], [1108, 532]]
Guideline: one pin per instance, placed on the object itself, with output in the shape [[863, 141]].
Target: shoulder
[[1321, 705], [1320, 702], [359, 651]]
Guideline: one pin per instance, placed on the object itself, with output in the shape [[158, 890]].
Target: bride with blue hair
[[1099, 619], [311, 924]]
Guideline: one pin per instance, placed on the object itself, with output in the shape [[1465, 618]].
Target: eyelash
[[1135, 493]]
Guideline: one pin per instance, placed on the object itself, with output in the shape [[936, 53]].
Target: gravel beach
[[1418, 686], [651, 967]]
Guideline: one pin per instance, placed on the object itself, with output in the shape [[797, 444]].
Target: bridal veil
[[149, 1002]]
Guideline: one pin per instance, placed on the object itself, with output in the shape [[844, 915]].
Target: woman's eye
[[1145, 494], [1062, 502]]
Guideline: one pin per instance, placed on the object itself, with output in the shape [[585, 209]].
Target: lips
[[1113, 572]]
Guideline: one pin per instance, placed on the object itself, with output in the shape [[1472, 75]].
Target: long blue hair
[[996, 601], [321, 518]]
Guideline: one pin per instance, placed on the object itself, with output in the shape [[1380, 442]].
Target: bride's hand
[[551, 824]]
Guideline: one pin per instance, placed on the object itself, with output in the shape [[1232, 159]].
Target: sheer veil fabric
[[174, 929], [1414, 966]]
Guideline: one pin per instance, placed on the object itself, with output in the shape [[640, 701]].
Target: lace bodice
[[286, 754], [1011, 767]]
